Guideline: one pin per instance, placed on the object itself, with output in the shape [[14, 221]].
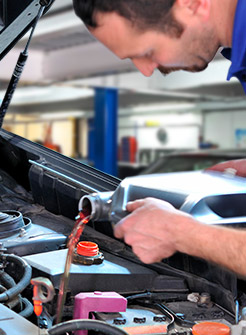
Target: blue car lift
[[105, 130]]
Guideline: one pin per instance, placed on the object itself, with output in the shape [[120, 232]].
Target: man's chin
[[166, 70]]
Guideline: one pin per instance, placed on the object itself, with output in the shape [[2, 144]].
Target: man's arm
[[156, 230]]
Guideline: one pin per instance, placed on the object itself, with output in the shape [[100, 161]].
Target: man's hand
[[236, 167], [151, 229], [156, 230]]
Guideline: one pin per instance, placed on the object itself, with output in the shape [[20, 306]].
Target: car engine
[[181, 295]]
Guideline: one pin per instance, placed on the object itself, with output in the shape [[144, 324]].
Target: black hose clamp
[[45, 3]]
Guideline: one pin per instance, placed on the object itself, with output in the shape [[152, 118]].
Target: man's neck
[[223, 15]]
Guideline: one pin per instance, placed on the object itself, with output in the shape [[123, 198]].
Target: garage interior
[[80, 121], [67, 67]]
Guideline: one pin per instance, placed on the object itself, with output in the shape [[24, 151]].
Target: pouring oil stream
[[73, 239]]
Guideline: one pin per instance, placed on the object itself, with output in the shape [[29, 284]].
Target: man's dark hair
[[143, 14]]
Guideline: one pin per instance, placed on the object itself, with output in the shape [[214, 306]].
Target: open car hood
[[16, 18]]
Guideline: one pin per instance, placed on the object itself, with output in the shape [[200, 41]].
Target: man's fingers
[[220, 166], [133, 205], [121, 227], [139, 210], [118, 231], [236, 167]]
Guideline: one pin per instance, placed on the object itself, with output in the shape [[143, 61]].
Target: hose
[[95, 325], [2, 288], [23, 283], [7, 280], [15, 302], [28, 310]]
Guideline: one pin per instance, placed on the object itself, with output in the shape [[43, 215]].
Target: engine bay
[[171, 297], [111, 291]]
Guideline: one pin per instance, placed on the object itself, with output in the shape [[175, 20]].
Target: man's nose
[[145, 66]]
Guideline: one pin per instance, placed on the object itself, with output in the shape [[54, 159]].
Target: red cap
[[88, 249], [211, 328]]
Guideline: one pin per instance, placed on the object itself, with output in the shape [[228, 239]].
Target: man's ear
[[195, 7]]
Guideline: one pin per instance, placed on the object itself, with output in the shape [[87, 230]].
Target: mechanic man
[[170, 35]]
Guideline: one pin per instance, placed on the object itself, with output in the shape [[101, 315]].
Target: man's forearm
[[224, 246]]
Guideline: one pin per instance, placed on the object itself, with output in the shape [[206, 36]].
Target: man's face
[[152, 50]]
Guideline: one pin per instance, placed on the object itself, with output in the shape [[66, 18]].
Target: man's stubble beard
[[166, 70], [208, 46]]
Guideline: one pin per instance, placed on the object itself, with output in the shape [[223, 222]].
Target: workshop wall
[[167, 131], [61, 138], [226, 129]]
